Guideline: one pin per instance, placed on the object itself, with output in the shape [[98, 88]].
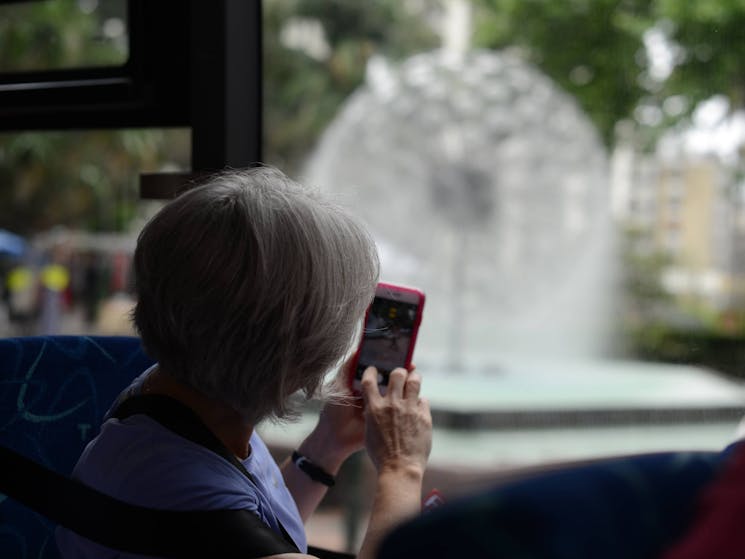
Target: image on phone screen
[[387, 337]]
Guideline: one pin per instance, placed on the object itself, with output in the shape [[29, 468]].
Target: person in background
[[22, 298], [55, 280], [251, 288]]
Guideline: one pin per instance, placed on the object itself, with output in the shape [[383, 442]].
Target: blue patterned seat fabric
[[623, 508], [54, 391]]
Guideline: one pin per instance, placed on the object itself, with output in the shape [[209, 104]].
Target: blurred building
[[685, 209]]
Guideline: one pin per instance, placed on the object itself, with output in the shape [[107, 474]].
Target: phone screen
[[387, 336]]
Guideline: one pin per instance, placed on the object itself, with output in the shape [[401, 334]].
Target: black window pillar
[[225, 83]]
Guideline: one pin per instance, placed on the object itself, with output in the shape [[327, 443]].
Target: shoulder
[[140, 461], [135, 387]]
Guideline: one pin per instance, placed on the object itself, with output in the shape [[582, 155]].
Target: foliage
[[658, 326], [645, 299], [73, 178], [711, 38], [716, 350], [595, 49], [302, 94], [59, 34], [92, 186], [591, 48]]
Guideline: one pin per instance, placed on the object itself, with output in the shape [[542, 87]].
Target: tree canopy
[[80, 179], [597, 50], [606, 53], [302, 93]]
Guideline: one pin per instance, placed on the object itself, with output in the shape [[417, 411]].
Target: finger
[[396, 382], [369, 383], [424, 404], [413, 386], [412, 368], [425, 408]]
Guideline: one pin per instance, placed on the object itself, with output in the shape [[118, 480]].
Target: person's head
[[251, 287]]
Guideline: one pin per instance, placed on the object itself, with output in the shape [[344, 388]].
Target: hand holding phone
[[391, 327]]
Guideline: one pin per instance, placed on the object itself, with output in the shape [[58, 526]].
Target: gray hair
[[251, 287]]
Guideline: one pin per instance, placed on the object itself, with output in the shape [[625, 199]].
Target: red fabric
[[718, 531]]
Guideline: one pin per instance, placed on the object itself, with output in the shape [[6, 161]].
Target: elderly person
[[251, 288]]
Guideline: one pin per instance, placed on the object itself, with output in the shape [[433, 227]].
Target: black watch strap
[[313, 471]]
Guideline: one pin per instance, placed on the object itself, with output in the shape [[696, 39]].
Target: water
[[485, 185]]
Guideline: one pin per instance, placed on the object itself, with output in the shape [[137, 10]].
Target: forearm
[[397, 498], [306, 492]]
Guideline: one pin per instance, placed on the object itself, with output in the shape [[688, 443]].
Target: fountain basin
[[542, 394], [536, 412]]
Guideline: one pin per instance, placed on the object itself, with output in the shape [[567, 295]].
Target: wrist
[[320, 451], [403, 484], [312, 470], [402, 470]]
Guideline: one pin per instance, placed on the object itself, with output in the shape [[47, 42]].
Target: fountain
[[486, 186]]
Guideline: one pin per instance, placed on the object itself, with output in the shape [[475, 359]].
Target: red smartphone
[[391, 327]]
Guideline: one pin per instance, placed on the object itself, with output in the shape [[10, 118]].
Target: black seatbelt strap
[[183, 421], [238, 534], [180, 419]]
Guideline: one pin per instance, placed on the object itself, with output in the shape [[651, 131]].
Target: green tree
[[74, 178], [595, 49], [591, 48], [301, 93], [59, 34], [642, 286], [710, 37], [80, 179]]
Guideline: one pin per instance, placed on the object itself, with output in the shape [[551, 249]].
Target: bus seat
[[54, 391], [630, 507]]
